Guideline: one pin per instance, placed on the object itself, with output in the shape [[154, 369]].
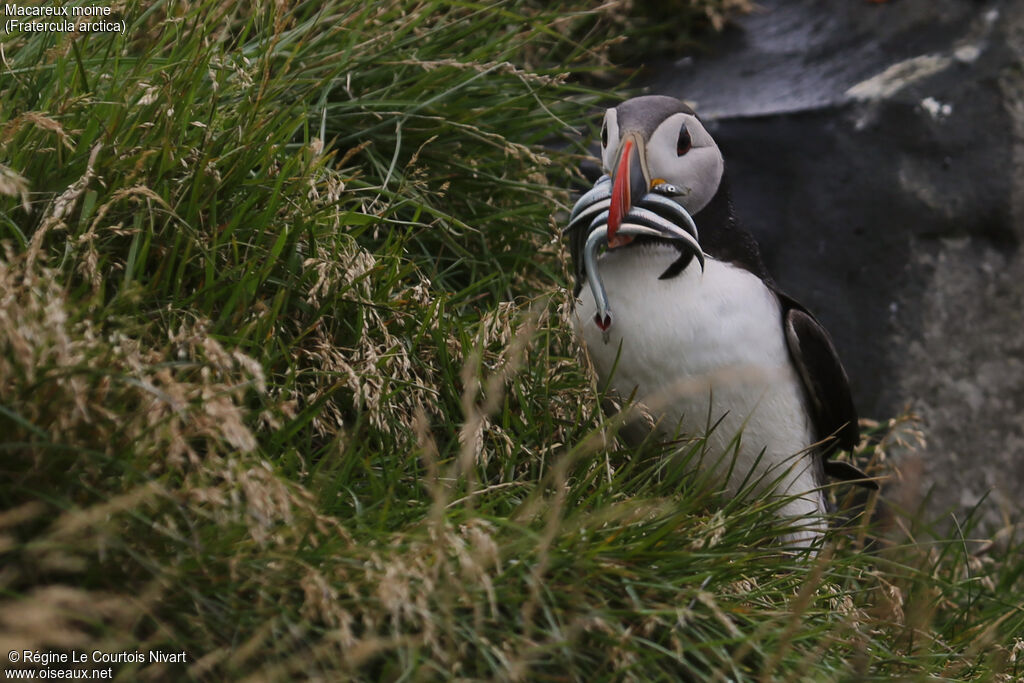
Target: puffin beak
[[629, 183]]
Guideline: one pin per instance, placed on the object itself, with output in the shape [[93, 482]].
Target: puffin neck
[[722, 237]]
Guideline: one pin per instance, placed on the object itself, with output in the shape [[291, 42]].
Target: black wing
[[826, 387]]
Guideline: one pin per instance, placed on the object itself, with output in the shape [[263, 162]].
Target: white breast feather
[[711, 339]]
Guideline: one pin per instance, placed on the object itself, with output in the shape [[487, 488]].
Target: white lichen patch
[[938, 110], [898, 76], [967, 54]]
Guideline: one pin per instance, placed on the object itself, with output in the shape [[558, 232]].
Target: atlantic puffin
[[678, 313]]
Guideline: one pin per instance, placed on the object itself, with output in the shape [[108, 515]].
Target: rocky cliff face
[[877, 152]]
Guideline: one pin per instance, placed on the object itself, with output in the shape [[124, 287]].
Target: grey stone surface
[[877, 151]]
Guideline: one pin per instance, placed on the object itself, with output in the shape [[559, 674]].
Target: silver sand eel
[[653, 216]]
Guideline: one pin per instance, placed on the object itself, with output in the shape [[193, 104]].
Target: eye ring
[[684, 143], [604, 133]]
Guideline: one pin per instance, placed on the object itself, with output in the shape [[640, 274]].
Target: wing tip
[[844, 471]]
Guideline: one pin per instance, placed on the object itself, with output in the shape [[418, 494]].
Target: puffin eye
[[683, 144], [604, 133]]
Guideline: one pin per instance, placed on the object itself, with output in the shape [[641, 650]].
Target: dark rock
[[876, 152]]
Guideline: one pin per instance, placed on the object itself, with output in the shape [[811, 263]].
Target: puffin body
[[729, 367], [681, 315]]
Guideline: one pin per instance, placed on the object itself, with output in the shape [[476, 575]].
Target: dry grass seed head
[[61, 617], [40, 121], [61, 208], [378, 359], [14, 185], [174, 408]]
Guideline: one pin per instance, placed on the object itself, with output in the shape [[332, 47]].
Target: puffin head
[[657, 143]]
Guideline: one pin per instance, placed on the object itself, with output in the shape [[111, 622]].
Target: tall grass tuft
[[288, 380]]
